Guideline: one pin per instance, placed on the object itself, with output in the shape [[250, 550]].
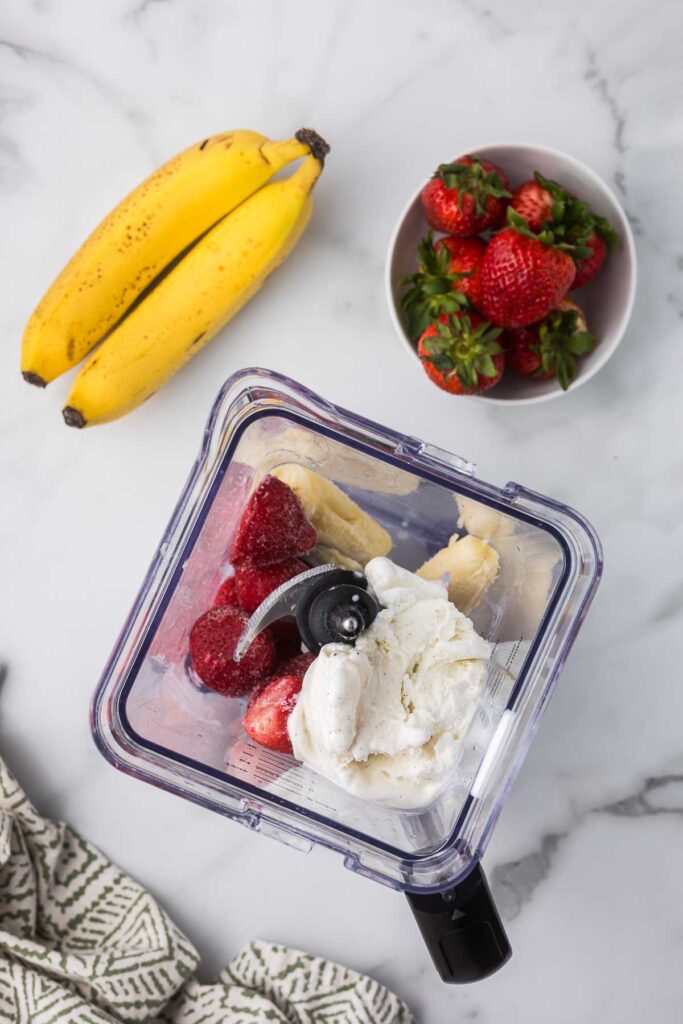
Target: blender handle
[[462, 929]]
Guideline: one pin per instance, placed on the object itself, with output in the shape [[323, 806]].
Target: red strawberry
[[298, 666], [448, 276], [270, 706], [523, 275], [253, 583], [551, 347], [226, 593], [588, 266], [286, 637], [546, 206], [522, 354], [466, 257], [213, 639], [533, 203], [461, 354], [268, 713], [273, 526], [465, 197]]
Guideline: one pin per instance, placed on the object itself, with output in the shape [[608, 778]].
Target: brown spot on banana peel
[[203, 145], [316, 144], [196, 340]]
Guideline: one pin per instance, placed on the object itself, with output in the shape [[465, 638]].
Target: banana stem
[[316, 144]]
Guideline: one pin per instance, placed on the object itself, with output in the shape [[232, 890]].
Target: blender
[[153, 719]]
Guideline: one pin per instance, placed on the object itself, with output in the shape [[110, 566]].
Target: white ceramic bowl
[[607, 300]]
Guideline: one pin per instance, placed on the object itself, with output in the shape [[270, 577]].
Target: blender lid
[[151, 719]]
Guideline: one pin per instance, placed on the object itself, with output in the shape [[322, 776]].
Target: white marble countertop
[[586, 860]]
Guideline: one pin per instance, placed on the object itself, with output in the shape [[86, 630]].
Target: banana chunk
[[473, 565], [340, 523], [337, 558], [482, 521]]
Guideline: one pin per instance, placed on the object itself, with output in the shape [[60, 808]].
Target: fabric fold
[[82, 943]]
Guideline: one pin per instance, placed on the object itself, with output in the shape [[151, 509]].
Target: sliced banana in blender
[[483, 521], [473, 566], [340, 523], [327, 555]]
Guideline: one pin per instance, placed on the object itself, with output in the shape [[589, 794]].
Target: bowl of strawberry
[[511, 274]]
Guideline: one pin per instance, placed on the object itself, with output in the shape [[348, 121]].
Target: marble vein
[[671, 604], [662, 794], [489, 19], [515, 882], [113, 95], [140, 8], [602, 86]]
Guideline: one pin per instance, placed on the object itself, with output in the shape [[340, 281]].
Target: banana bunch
[[167, 269]]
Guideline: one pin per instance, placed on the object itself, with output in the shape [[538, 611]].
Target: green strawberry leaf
[[519, 224], [441, 362], [432, 290], [486, 366], [557, 210], [606, 232], [566, 370], [457, 346], [555, 189], [474, 180], [571, 223], [430, 345], [561, 340], [581, 343]]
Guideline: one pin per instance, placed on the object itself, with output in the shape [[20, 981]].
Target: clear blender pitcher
[[150, 717]]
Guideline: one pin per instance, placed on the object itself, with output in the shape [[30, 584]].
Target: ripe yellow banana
[[198, 297], [139, 238]]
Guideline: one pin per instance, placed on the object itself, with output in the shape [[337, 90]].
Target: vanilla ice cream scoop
[[385, 719]]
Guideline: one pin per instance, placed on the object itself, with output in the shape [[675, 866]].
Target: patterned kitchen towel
[[81, 943]]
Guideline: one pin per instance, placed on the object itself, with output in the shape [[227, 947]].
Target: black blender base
[[462, 930]]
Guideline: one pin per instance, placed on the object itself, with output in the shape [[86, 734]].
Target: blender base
[[462, 929]]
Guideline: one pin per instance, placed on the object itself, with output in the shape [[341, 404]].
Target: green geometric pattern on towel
[[82, 943]]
